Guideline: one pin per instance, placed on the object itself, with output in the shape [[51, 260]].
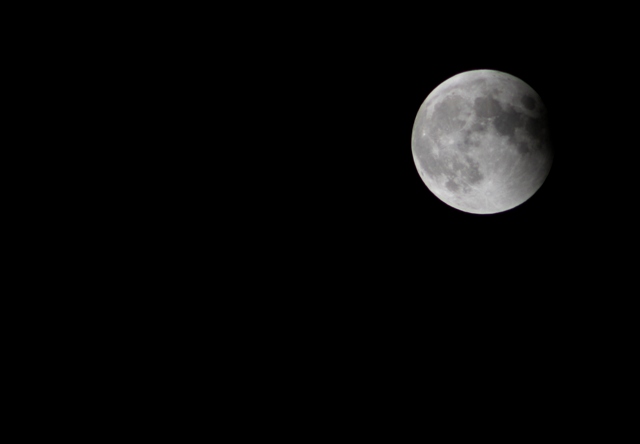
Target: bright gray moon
[[481, 142]]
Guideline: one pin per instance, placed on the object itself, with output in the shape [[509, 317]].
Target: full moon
[[481, 142]]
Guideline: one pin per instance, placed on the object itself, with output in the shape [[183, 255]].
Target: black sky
[[342, 256], [333, 214], [350, 184], [338, 253]]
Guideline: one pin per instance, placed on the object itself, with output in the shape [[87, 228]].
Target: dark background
[[276, 144], [284, 236], [272, 149], [356, 259], [348, 215], [290, 226]]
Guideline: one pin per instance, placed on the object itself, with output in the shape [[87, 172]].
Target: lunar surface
[[481, 142]]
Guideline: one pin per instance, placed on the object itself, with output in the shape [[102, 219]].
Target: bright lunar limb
[[481, 142]]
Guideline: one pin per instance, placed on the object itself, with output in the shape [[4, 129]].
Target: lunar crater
[[528, 102]]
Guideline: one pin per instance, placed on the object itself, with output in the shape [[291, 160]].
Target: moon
[[481, 143]]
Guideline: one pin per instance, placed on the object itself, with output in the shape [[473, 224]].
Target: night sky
[[340, 221], [352, 198]]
